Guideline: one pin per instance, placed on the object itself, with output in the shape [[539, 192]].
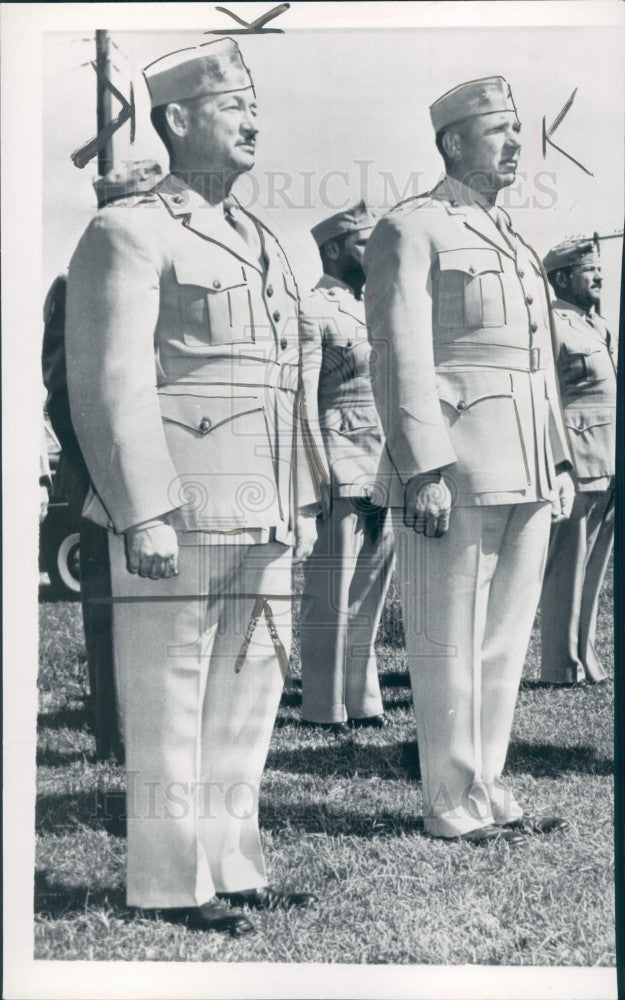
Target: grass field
[[341, 816]]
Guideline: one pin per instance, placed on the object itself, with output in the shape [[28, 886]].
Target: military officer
[[476, 455], [71, 481], [580, 547], [185, 388], [347, 575]]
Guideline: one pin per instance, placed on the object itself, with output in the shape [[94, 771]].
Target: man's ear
[[561, 280], [332, 249], [177, 118], [452, 144]]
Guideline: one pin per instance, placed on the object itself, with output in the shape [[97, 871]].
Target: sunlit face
[[489, 150], [221, 132], [584, 286]]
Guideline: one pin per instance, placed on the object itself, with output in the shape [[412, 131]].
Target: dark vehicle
[[59, 551]]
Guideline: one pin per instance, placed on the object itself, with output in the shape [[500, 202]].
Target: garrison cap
[[353, 219], [125, 179], [575, 250], [478, 97], [214, 67]]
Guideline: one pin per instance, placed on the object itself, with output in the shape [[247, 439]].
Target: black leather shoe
[[268, 898], [493, 834], [369, 721], [217, 916], [537, 824], [328, 727]]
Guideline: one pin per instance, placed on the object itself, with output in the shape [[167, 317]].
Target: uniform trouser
[[197, 731], [468, 603], [345, 582], [95, 594], [579, 552]]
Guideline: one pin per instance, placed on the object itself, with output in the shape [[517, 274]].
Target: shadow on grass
[[57, 901], [65, 718], [56, 758], [542, 760], [319, 818], [97, 810], [350, 759]]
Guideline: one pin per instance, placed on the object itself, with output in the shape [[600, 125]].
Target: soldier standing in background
[[71, 480], [580, 548], [348, 573]]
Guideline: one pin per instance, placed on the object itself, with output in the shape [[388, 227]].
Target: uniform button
[[177, 199], [216, 283], [529, 299], [471, 270], [521, 274], [205, 425], [269, 291], [331, 291], [283, 344], [454, 204], [461, 405], [533, 327], [276, 316], [349, 343]]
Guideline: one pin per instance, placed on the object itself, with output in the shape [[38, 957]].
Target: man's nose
[[513, 140], [249, 125]]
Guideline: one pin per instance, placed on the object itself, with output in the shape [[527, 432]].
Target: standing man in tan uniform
[[476, 456], [348, 573], [580, 547], [184, 375]]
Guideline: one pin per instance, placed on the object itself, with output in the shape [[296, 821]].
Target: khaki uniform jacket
[[459, 318], [334, 324], [587, 377], [184, 371]]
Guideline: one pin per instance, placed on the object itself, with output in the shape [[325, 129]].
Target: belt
[[527, 359], [233, 372], [339, 400]]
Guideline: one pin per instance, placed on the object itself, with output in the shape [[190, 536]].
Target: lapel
[[194, 214], [474, 218]]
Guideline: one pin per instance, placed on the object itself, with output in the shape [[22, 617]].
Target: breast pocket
[[214, 300], [470, 289], [221, 450], [485, 432], [591, 364]]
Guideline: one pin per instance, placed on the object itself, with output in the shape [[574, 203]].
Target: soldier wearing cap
[[71, 480], [186, 393], [347, 575], [580, 547], [476, 455]]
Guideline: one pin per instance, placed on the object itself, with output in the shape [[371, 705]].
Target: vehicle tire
[[61, 552]]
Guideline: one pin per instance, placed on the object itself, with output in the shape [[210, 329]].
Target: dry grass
[[341, 816]]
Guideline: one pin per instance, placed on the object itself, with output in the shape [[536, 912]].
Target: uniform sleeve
[[112, 310], [398, 303], [312, 474]]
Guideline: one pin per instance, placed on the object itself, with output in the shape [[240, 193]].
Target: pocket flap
[[583, 420], [464, 389], [204, 414], [213, 274], [472, 260]]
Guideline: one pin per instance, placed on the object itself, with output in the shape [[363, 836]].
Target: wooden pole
[[103, 102]]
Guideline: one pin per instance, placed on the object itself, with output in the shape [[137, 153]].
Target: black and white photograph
[[310, 349]]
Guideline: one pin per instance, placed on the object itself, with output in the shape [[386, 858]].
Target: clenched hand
[[152, 551], [427, 505], [563, 505]]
